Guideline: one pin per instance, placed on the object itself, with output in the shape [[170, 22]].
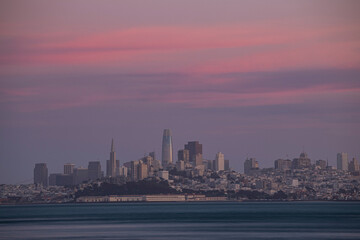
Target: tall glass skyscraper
[[167, 148]]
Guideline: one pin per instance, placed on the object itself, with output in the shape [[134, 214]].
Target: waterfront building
[[167, 148], [41, 174], [342, 161], [219, 162], [69, 168], [94, 170]]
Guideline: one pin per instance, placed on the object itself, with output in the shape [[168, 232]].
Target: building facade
[[194, 148], [342, 161], [111, 164], [219, 162], [94, 170], [41, 174], [167, 148], [69, 168]]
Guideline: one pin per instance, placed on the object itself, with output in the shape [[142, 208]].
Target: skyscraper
[[69, 168], [111, 165], [302, 162], [219, 162], [94, 170], [41, 174], [81, 175], [342, 161], [354, 165], [183, 155], [250, 165], [195, 148], [167, 148]]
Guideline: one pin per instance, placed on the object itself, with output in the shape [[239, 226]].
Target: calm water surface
[[221, 220]]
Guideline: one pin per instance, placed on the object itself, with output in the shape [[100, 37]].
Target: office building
[[80, 175], [123, 171], [219, 162], [283, 164], [227, 165], [342, 161], [194, 148], [302, 162], [69, 168], [167, 148], [184, 155], [250, 165], [111, 164], [58, 179], [134, 170], [41, 174], [142, 169], [94, 170], [322, 164], [354, 165], [164, 175]]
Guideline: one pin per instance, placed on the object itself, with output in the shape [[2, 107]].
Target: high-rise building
[[342, 161], [184, 155], [142, 170], [227, 165], [250, 165], [354, 165], [167, 148], [322, 164], [111, 164], [283, 164], [123, 171], [41, 174], [194, 148], [59, 179], [302, 162], [94, 170], [69, 168], [81, 175], [134, 170], [219, 162]]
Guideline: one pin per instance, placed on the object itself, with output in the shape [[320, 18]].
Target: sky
[[263, 79]]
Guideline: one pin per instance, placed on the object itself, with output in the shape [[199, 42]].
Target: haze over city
[[264, 79]]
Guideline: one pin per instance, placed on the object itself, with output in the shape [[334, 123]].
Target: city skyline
[[133, 168], [168, 132], [262, 79]]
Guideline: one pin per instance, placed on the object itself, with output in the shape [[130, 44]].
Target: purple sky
[[263, 79]]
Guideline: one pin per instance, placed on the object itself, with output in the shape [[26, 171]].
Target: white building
[[219, 162]]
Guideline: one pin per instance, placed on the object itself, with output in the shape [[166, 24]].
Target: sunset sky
[[263, 79]]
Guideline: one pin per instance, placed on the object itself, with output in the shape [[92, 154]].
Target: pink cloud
[[198, 49]]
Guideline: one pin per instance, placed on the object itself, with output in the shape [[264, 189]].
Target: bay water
[[186, 220]]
